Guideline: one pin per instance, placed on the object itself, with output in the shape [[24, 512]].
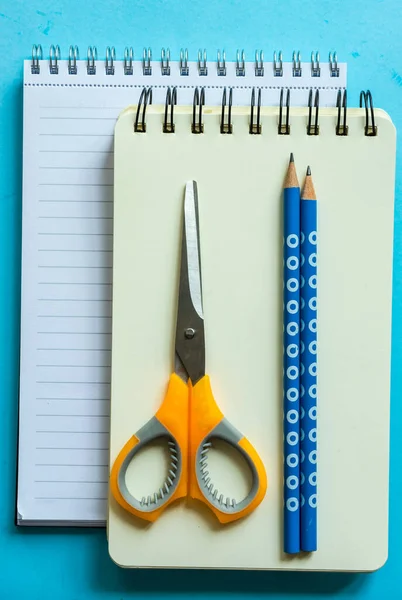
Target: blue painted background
[[73, 565]]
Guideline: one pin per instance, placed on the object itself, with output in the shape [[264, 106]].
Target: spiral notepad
[[239, 159], [70, 110]]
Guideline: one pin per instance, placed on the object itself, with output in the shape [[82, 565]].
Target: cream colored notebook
[[240, 178]]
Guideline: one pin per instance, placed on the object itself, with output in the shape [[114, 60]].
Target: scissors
[[189, 419]]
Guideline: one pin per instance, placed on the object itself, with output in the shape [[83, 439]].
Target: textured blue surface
[[291, 369], [308, 370], [73, 565]]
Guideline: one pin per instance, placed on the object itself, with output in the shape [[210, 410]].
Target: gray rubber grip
[[226, 432], [152, 431]]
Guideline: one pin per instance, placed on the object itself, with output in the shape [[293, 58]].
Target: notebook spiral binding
[[255, 127], [202, 66]]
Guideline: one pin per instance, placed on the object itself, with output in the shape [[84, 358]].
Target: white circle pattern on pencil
[[292, 307], [292, 394], [292, 504], [292, 372], [308, 429], [292, 460], [291, 366], [313, 260], [292, 284], [313, 325], [292, 416], [313, 369], [313, 281], [292, 240], [292, 350], [292, 263], [292, 438], [313, 391], [292, 482], [292, 328]]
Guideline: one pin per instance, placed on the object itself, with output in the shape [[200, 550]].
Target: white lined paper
[[67, 281]]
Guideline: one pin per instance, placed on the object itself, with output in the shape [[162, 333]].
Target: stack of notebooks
[[102, 204]]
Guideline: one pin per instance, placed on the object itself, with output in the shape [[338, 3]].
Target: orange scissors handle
[[165, 424], [208, 423]]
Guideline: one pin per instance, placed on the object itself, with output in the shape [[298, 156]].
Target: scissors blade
[[190, 344]]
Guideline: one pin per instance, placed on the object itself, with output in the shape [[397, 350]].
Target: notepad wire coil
[[202, 65]]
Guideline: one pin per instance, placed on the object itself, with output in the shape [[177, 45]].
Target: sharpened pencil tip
[[292, 158], [308, 171]]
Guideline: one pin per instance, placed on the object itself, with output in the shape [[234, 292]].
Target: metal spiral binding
[[221, 63], [297, 68], [209, 487], [341, 103], [165, 61], [169, 481], [128, 60], [284, 127], [146, 61], [54, 57], [183, 66], [202, 63], [240, 64], [255, 128], [278, 65], [313, 129], [37, 55], [109, 62], [197, 126], [171, 101], [369, 130], [73, 56], [145, 99], [259, 64], [315, 65], [333, 64], [92, 57], [227, 127]]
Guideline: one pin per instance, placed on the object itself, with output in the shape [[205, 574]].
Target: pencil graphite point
[[291, 176], [308, 191], [292, 158]]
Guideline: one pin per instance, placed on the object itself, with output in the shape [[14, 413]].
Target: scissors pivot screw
[[189, 333]]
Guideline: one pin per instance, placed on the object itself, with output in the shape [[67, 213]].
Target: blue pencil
[[308, 387], [291, 322]]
